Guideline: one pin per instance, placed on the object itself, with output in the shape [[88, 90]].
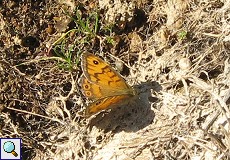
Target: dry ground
[[175, 53]]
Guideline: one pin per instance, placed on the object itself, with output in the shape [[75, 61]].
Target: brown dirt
[[175, 53]]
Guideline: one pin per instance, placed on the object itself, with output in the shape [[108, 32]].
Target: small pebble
[[185, 64]]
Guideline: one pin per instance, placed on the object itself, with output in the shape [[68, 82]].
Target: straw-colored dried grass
[[182, 107]]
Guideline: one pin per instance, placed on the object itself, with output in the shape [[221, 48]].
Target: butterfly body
[[102, 84]]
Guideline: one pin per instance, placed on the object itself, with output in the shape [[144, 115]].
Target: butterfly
[[102, 84]]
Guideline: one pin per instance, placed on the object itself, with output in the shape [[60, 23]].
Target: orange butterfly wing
[[91, 90], [99, 72], [102, 84], [105, 103]]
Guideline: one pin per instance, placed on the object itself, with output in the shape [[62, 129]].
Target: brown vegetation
[[175, 53]]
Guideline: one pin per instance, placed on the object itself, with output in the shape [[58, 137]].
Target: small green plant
[[86, 29], [87, 26], [110, 38], [66, 55], [182, 35]]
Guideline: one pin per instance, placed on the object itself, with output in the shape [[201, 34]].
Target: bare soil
[[175, 53]]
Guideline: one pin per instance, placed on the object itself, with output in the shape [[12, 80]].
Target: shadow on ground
[[131, 117]]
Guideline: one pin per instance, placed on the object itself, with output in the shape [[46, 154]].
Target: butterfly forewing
[[103, 84], [101, 73]]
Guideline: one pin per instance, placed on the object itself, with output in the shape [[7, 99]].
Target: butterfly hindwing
[[105, 103], [102, 84]]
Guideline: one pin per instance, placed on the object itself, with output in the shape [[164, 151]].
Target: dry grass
[[178, 61]]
